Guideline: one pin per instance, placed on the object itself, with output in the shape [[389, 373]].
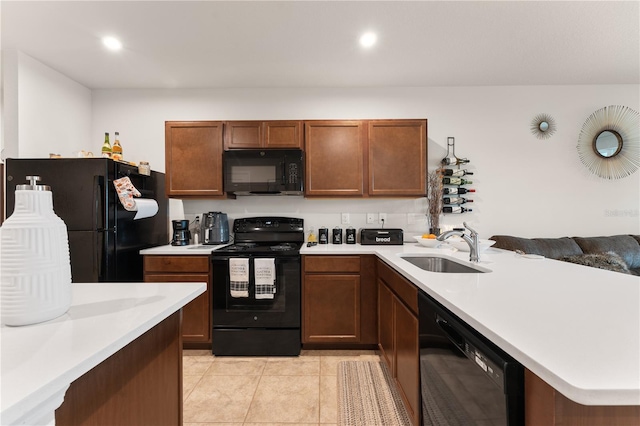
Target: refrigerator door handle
[[98, 203]]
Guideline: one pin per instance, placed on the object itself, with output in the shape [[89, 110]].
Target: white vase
[[35, 271]]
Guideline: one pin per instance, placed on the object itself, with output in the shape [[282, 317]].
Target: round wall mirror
[[608, 143], [543, 126]]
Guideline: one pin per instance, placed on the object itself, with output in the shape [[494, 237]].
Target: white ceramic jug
[[35, 271]]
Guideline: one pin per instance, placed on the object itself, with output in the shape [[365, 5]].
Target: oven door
[[281, 311]]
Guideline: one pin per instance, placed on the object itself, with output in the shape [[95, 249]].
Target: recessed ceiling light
[[368, 39], [112, 43]]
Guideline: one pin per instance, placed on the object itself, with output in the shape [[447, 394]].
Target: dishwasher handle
[[455, 337]]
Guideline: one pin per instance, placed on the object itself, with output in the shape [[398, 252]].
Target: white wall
[[525, 186], [44, 111]]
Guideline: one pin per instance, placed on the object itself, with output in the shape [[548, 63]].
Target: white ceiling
[[207, 44]]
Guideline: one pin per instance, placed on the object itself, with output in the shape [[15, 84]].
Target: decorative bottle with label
[[35, 270], [116, 149], [457, 190], [455, 181], [456, 173], [106, 147], [456, 209], [456, 200]]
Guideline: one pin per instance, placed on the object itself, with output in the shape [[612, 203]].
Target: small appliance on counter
[[181, 233], [214, 228], [381, 236]]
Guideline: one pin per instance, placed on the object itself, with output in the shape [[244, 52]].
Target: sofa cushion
[[625, 246], [553, 248], [609, 261]]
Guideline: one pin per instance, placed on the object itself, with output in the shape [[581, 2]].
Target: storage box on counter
[[381, 236]]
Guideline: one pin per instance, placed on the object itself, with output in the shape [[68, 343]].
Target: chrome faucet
[[471, 240]]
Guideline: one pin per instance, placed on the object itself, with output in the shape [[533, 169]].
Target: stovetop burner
[[281, 236]]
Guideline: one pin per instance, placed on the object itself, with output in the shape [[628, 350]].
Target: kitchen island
[[115, 357]]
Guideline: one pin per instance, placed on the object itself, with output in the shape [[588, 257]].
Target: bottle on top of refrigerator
[[106, 146], [116, 149]]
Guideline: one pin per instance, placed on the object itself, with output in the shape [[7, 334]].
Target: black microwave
[[264, 172]]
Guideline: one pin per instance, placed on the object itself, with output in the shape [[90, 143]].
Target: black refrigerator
[[104, 238]]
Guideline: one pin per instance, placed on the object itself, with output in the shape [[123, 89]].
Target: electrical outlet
[[345, 218], [382, 218], [371, 218]]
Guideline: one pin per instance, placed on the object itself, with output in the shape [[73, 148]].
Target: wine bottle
[[456, 173], [455, 181], [106, 147], [456, 200], [456, 190], [458, 209], [116, 150]]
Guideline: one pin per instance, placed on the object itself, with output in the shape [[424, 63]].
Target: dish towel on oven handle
[[265, 277], [239, 277]]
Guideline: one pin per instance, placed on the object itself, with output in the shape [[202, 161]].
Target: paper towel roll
[[145, 208]]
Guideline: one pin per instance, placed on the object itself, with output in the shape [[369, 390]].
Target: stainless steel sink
[[441, 264]]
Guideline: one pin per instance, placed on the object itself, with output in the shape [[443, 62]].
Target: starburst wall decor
[[543, 126], [609, 142]]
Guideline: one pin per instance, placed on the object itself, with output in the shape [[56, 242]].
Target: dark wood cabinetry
[[339, 300], [366, 158], [193, 158], [262, 134], [398, 335], [196, 315], [397, 157], [334, 158]]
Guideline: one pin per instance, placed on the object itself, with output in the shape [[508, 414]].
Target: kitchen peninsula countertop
[[40, 361], [575, 327]]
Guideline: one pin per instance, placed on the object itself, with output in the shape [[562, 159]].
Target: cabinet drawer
[[176, 263], [406, 291], [331, 264]]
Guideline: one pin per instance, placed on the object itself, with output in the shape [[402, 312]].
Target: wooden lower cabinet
[[398, 335], [196, 321], [544, 406], [141, 384], [339, 300]]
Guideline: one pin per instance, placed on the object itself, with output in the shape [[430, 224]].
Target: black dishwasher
[[465, 379]]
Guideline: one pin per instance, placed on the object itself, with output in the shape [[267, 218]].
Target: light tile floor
[[269, 391]]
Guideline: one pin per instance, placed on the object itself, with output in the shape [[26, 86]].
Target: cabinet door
[[407, 359], [196, 316], [398, 157], [242, 134], [386, 326], [283, 134], [331, 308], [193, 158], [334, 158]]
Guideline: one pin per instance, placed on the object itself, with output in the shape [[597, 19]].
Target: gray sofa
[[620, 253]]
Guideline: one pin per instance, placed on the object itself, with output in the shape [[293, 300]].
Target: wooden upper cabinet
[[334, 158], [262, 134], [193, 158], [397, 157]]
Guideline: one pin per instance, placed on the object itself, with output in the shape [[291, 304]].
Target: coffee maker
[[181, 233]]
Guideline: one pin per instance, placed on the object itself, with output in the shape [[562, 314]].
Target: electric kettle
[[214, 228]]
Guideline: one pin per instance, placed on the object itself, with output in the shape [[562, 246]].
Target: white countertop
[[192, 249], [576, 327], [39, 361]]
